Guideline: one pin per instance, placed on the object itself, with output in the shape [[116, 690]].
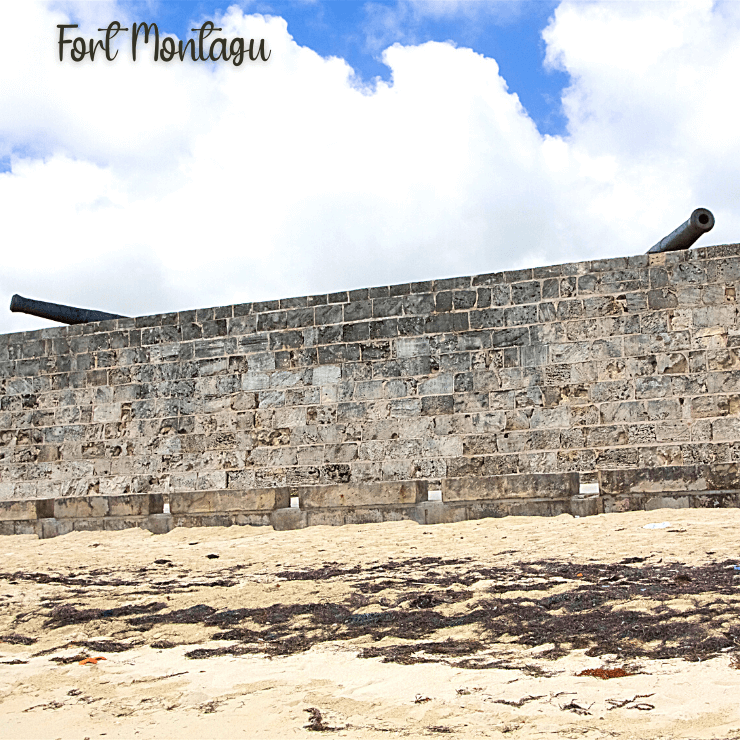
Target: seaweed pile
[[621, 608]]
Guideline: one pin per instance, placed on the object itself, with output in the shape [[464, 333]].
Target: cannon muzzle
[[700, 221], [57, 312]]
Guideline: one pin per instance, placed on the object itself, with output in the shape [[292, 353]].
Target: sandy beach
[[522, 627]]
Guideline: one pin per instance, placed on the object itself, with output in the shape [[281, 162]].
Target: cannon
[[57, 312], [700, 221]]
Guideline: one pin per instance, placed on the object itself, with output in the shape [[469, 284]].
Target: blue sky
[[509, 32], [384, 142]]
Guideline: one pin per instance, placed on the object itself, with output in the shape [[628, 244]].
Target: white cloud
[[651, 91], [140, 188]]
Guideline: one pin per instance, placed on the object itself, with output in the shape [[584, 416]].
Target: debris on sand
[[619, 703], [577, 708], [522, 603], [606, 673], [92, 661], [316, 721], [520, 703], [164, 645], [15, 639]]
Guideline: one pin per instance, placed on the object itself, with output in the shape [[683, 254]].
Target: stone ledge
[[521, 485], [349, 495], [290, 518], [222, 519], [671, 478], [685, 486], [11, 510], [52, 527], [86, 507], [672, 500], [261, 500], [19, 526]]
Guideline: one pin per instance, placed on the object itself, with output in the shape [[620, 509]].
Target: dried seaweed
[[16, 639], [605, 673], [582, 617], [316, 721], [520, 702]]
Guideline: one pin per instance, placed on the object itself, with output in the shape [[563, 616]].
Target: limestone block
[[430, 512], [439, 384], [10, 510], [369, 390], [251, 519], [723, 476], [25, 526], [128, 505], [539, 485], [666, 502], [528, 292], [203, 520], [678, 478], [207, 502], [54, 527], [404, 407], [118, 523], [570, 353], [356, 515], [673, 431], [412, 347], [363, 494], [89, 524], [81, 507], [586, 506], [326, 375], [284, 519], [483, 509], [159, 523], [715, 501]]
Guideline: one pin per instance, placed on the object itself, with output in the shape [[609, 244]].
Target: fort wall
[[591, 368]]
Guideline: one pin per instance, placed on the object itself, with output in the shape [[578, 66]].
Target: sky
[[381, 142]]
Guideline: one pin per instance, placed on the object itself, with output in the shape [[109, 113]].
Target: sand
[[475, 629]]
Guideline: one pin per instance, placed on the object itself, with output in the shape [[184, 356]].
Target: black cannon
[[700, 221], [57, 312]]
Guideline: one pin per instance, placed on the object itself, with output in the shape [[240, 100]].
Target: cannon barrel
[[57, 312], [700, 221]]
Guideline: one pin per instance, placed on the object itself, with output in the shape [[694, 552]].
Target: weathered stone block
[[82, 507], [430, 512], [586, 506], [667, 502], [128, 505], [543, 485], [89, 524], [118, 523], [723, 476], [54, 528], [365, 494], [716, 500], [682, 478], [203, 520], [284, 519], [207, 502], [10, 510], [159, 523]]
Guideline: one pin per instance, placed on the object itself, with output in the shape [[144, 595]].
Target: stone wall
[[619, 364]]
